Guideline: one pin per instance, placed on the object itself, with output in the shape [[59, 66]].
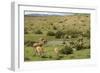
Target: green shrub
[[38, 32], [25, 30], [63, 42], [50, 33], [54, 27], [79, 46], [66, 50], [86, 46], [59, 34], [74, 35]]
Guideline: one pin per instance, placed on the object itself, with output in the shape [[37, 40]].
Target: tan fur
[[39, 50], [38, 46], [56, 51]]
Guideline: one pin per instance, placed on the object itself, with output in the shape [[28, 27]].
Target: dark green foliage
[[82, 44], [28, 43], [55, 28], [38, 32], [75, 35], [63, 42], [50, 33], [44, 56], [25, 30], [66, 50], [26, 59], [79, 47], [86, 46], [59, 34]]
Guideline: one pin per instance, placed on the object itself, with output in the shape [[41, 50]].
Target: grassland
[[81, 54], [75, 26]]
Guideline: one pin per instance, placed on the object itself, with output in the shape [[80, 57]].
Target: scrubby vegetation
[[50, 33], [66, 50], [69, 33]]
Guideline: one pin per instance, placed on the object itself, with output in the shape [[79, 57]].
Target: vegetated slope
[[54, 23]]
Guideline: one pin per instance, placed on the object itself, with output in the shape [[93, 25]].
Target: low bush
[[79, 47], [66, 50], [54, 27], [59, 34], [50, 33], [82, 45], [86, 46], [74, 35], [38, 32]]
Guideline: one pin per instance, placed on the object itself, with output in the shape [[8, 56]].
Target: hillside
[[54, 23]]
